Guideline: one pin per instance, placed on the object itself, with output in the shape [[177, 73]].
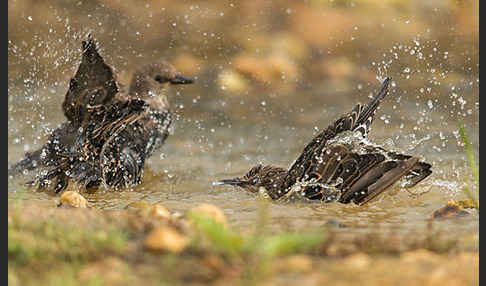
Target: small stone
[[163, 239], [159, 212], [149, 210], [451, 210], [210, 210], [73, 199], [468, 204]]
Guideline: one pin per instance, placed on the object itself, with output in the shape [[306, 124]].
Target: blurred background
[[278, 44], [269, 75]]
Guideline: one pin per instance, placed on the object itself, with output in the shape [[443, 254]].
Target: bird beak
[[178, 79], [233, 182]]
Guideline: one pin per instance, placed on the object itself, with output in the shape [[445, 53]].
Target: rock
[[210, 210], [451, 210], [165, 239], [72, 199], [150, 210], [468, 204], [160, 212]]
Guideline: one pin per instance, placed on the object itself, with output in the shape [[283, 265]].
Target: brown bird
[[340, 164], [109, 133]]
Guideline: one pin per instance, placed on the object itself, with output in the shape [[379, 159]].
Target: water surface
[[219, 135]]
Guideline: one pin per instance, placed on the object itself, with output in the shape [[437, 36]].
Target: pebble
[[151, 210], [165, 239], [210, 210], [451, 210], [72, 199], [160, 212]]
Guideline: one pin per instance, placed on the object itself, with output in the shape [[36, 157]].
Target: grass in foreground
[[472, 166], [56, 246]]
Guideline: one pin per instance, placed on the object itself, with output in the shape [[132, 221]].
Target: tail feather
[[419, 172], [29, 163], [371, 107]]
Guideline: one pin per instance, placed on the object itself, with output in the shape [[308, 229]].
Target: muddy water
[[219, 135]]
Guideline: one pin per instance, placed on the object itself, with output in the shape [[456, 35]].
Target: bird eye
[[255, 180], [160, 79]]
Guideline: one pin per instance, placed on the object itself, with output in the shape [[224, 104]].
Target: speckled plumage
[[109, 134], [339, 164]]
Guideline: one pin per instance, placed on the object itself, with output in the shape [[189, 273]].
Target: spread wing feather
[[350, 173], [94, 84], [350, 176], [360, 118]]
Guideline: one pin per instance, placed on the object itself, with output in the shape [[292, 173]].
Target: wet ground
[[219, 135]]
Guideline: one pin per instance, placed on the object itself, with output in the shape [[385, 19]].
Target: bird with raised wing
[[339, 164], [109, 133]]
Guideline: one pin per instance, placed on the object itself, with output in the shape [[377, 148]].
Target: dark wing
[[104, 146], [360, 118], [93, 85], [420, 170], [125, 149], [80, 160], [366, 114], [360, 176], [111, 149]]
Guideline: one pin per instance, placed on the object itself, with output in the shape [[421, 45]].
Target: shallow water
[[219, 135]]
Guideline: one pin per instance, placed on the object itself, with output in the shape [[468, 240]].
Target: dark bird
[[339, 164], [109, 133]]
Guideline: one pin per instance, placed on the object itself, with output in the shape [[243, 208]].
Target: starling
[[339, 164], [109, 133]]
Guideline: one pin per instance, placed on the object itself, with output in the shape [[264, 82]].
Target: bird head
[[269, 177], [150, 83]]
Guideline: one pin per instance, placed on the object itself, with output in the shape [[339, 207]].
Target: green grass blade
[[472, 161], [472, 165]]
